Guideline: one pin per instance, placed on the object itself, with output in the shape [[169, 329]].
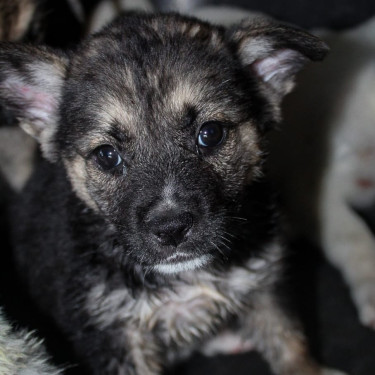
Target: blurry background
[[319, 294]]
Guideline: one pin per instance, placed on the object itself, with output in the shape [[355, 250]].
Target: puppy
[[149, 228]]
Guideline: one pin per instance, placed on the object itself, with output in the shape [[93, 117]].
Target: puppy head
[[158, 122]]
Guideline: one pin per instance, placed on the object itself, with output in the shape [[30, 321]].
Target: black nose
[[170, 227]]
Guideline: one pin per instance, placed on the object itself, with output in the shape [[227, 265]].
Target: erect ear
[[275, 52], [31, 80]]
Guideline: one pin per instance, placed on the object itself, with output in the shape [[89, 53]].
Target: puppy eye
[[107, 157], [211, 134]]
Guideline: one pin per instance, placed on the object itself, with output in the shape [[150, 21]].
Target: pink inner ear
[[32, 103], [278, 66]]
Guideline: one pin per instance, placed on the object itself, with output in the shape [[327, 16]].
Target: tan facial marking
[[76, 170]]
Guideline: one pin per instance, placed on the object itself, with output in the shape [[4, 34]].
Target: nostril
[[171, 229]]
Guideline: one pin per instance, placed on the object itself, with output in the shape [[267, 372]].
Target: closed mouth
[[180, 262]]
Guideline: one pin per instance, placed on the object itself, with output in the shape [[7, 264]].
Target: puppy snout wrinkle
[[170, 227]]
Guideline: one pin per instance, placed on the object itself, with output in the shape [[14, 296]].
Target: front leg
[[119, 350], [349, 244], [279, 338]]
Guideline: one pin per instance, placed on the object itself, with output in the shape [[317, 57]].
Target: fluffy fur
[[146, 242], [21, 353]]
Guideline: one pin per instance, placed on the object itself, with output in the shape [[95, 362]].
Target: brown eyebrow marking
[[116, 131]]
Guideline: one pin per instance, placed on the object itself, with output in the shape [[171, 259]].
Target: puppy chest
[[179, 317], [193, 315]]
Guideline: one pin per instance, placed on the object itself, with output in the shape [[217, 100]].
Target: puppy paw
[[364, 297]]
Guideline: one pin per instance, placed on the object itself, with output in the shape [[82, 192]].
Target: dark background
[[319, 294]]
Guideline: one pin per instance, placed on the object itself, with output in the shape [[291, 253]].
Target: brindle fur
[[145, 85]]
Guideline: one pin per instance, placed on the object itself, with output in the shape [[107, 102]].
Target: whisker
[[237, 218], [231, 235], [219, 250]]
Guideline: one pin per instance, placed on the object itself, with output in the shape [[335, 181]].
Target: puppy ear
[[31, 80], [275, 52]]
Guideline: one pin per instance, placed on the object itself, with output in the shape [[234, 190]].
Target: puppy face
[[159, 147], [158, 122]]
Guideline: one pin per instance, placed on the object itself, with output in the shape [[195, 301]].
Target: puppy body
[[149, 224]]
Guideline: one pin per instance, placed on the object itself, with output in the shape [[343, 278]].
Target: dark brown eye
[[211, 134], [107, 157]]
